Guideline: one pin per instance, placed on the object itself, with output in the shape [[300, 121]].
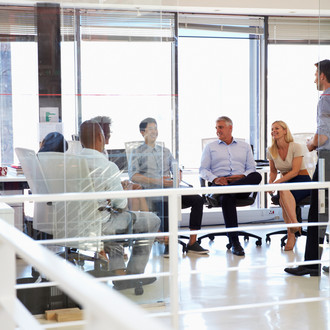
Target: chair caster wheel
[[268, 239], [34, 273], [246, 238], [229, 245], [258, 242], [211, 237], [139, 290]]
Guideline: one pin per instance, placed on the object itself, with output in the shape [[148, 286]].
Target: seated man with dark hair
[[151, 166], [106, 177]]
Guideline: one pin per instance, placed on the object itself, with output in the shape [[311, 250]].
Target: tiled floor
[[259, 279]]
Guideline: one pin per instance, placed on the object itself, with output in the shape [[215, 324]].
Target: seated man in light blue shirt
[[229, 162]]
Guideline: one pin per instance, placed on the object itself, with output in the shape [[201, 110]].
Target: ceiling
[[239, 7]]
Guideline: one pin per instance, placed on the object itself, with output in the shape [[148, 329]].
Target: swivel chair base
[[246, 236]]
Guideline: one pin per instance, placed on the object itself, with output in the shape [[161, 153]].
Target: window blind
[[126, 25], [299, 29], [18, 23], [221, 23]]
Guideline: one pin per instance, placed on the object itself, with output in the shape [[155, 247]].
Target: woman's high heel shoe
[[290, 243]]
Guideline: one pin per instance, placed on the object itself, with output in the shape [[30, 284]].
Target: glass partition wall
[[113, 64], [220, 74], [183, 70]]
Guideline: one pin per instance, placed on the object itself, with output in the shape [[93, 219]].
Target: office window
[[292, 93], [296, 44], [25, 105], [215, 69], [127, 81], [126, 62]]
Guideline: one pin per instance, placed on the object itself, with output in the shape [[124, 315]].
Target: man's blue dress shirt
[[220, 159]]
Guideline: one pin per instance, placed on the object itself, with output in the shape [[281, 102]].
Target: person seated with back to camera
[[106, 177], [53, 141], [228, 161], [151, 166], [134, 204], [286, 156]]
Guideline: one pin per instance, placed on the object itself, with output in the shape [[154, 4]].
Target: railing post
[[7, 286], [321, 191], [174, 287]]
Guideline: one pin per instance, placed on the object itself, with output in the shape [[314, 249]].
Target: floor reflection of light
[[212, 285]]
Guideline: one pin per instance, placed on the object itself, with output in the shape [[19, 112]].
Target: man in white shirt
[[106, 177]]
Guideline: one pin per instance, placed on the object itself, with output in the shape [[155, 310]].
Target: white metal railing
[[102, 306], [88, 291]]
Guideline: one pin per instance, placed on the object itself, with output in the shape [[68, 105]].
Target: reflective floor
[[251, 283]]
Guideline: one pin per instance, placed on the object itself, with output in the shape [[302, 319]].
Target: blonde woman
[[286, 156]]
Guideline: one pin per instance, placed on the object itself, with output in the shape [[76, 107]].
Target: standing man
[[321, 143], [106, 177], [229, 162], [151, 166]]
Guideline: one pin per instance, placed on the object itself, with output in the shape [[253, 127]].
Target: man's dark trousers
[[228, 202]]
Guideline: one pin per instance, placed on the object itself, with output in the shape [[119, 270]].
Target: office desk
[[13, 184]]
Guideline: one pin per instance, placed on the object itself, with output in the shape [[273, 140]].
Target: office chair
[[275, 201], [305, 201], [46, 173], [239, 203]]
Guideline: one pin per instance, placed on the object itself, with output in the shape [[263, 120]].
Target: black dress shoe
[[237, 249], [326, 269], [128, 284], [303, 270]]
